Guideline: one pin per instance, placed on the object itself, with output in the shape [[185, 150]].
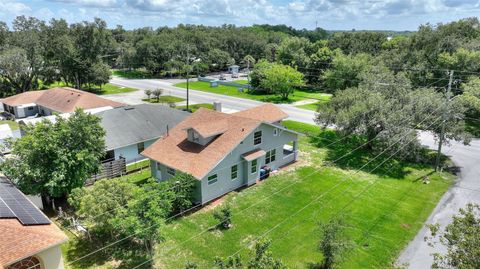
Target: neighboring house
[[28, 239], [56, 100], [131, 129], [224, 151]]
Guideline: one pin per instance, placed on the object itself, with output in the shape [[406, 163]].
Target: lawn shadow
[[125, 254], [348, 153]]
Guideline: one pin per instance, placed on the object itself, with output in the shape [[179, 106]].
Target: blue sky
[[329, 14]]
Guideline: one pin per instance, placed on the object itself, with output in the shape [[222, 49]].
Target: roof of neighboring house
[[267, 113], [62, 99], [22, 98], [18, 241], [133, 124], [177, 152]]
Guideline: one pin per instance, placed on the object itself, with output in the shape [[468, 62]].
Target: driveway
[[417, 254], [465, 190]]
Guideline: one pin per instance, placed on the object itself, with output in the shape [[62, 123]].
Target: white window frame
[[256, 166], [254, 138], [269, 155], [211, 178], [236, 172]]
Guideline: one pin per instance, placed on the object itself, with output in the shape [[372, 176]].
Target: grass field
[[195, 107], [106, 89], [131, 74], [383, 210], [113, 89], [298, 95], [165, 99], [13, 124]]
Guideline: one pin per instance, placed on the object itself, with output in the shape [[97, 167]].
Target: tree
[[148, 93], [471, 96], [261, 259], [332, 242], [52, 159], [145, 214], [461, 238], [15, 70], [157, 93], [97, 205], [183, 186], [345, 71], [224, 217], [249, 61], [282, 80]]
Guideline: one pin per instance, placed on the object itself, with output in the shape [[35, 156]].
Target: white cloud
[[13, 8]]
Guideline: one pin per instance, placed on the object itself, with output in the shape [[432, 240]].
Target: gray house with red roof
[[224, 151]]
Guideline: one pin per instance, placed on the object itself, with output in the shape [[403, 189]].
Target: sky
[[328, 14]]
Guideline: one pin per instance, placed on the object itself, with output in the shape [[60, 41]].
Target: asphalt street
[[417, 254]]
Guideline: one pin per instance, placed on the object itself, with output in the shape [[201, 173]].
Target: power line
[[316, 171]]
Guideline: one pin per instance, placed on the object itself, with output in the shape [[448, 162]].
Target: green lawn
[[195, 107], [383, 211], [13, 124], [165, 99], [113, 89], [106, 89], [241, 81], [131, 74], [141, 164], [298, 95], [380, 222]]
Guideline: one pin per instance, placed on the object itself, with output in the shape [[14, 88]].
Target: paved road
[[228, 102], [465, 190], [417, 253]]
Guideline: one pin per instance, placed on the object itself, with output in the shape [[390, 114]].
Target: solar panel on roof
[[14, 204]]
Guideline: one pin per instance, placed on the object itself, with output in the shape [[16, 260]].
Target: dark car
[[4, 115]]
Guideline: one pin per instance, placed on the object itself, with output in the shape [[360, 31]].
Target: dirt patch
[[406, 226], [212, 205]]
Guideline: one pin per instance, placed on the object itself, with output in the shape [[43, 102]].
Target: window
[[254, 166], [159, 167], [30, 108], [257, 138], [270, 157], [170, 171], [140, 147], [275, 132], [212, 179], [234, 172]]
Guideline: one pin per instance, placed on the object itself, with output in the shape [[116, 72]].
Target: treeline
[[33, 52]]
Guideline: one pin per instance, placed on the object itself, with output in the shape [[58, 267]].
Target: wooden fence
[[109, 169]]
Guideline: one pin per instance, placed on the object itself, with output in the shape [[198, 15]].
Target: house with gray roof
[[131, 129]]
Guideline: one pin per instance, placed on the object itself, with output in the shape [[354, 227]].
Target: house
[[55, 100], [130, 129], [224, 151], [28, 239]]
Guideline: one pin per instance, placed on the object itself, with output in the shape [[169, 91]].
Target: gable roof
[[62, 99], [18, 241], [268, 113], [177, 152], [133, 124]]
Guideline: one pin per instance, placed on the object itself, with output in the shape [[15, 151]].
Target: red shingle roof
[[267, 113], [18, 241], [177, 152], [62, 99]]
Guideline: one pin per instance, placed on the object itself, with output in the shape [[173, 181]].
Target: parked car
[[223, 77]]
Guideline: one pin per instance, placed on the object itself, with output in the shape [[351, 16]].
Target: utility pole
[[444, 118], [188, 73]]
